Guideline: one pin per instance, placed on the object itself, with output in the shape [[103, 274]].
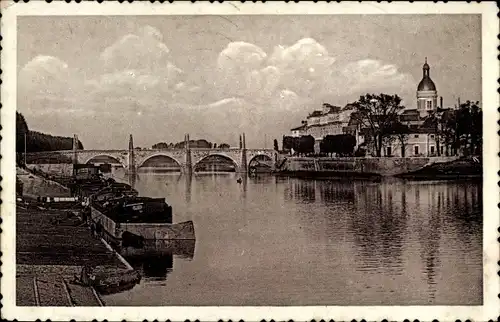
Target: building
[[330, 120], [426, 93], [422, 140]]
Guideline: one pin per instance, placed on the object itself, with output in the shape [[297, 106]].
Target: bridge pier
[[243, 167], [186, 158], [131, 158], [188, 165], [75, 153]]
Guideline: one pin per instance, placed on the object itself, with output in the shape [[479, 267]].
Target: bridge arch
[[197, 165], [261, 158], [108, 156], [150, 158], [260, 162]]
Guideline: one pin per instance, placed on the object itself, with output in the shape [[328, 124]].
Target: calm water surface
[[287, 241]]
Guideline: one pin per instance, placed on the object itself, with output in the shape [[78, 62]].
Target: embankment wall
[[387, 166], [34, 186], [64, 169]]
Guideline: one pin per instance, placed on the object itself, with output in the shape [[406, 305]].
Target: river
[[288, 241]]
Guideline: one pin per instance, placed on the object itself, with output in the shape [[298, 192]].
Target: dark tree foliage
[[39, 142], [469, 128], [401, 132], [377, 114], [224, 146], [288, 143], [342, 144], [21, 130], [204, 144], [460, 129], [305, 144], [301, 145], [160, 146], [275, 142]]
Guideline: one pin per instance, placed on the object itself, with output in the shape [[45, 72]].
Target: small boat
[[108, 280]]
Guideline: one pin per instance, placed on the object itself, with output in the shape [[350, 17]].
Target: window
[[415, 150], [432, 136], [389, 151], [429, 105], [416, 136], [433, 149]]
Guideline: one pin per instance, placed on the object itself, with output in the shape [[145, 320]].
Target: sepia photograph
[[202, 156]]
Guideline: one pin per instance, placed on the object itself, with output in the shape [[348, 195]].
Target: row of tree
[[340, 145], [33, 141], [459, 129], [202, 144]]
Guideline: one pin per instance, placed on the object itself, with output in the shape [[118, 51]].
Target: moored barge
[[131, 223]]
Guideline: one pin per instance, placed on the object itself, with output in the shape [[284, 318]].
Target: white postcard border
[[490, 74]]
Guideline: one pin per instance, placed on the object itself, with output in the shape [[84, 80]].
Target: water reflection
[[188, 178], [391, 222], [155, 266], [353, 242]]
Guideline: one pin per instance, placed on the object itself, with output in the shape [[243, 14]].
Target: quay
[[52, 247]]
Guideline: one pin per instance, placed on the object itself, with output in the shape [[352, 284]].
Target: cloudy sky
[[215, 77]]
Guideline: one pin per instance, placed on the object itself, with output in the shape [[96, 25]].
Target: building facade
[[422, 139], [330, 120]]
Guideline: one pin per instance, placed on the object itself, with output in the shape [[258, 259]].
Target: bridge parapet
[[186, 159]]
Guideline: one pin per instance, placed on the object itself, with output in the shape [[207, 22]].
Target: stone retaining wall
[[387, 166], [34, 186], [63, 169]]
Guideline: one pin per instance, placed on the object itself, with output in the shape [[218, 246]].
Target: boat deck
[[51, 247]]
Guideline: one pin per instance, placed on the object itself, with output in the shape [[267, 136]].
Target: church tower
[[426, 93]]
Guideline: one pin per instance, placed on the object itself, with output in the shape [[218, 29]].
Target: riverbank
[[53, 246], [48, 257], [329, 175], [376, 168], [34, 185], [464, 168]]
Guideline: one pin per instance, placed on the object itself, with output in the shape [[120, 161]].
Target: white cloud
[[47, 75], [143, 49], [305, 68], [249, 91], [374, 75]]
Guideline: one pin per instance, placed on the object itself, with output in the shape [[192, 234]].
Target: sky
[[215, 77]]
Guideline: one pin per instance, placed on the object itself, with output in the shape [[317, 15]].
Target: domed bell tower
[[426, 93]]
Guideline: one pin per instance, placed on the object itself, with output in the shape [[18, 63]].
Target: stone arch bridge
[[186, 159]]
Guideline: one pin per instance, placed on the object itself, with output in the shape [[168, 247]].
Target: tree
[[469, 127], [288, 143], [224, 146], [342, 144], [401, 132], [276, 148], [160, 146], [305, 144], [21, 131], [462, 129], [377, 113]]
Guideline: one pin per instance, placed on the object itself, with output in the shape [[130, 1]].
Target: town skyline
[[241, 80]]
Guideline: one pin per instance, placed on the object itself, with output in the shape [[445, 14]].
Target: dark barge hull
[[142, 238]]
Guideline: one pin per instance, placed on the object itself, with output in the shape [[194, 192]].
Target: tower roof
[[426, 84]]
